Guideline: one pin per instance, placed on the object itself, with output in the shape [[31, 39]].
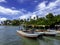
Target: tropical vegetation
[[49, 19]]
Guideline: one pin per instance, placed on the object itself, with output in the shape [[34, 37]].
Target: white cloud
[[25, 16], [9, 11], [23, 10], [2, 0], [43, 9], [41, 6], [28, 15], [3, 19], [53, 7], [32, 17], [12, 13]]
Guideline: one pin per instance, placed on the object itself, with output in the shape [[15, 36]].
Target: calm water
[[8, 36]]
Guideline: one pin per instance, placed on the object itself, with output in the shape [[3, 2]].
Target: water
[[9, 36]]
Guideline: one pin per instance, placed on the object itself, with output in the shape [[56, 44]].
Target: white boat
[[50, 32], [58, 33], [27, 34], [40, 33]]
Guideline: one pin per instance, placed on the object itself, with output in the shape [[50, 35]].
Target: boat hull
[[21, 33], [49, 33], [58, 33]]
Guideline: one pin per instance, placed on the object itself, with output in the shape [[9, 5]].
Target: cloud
[[14, 14], [3, 19], [2, 0], [25, 16], [53, 7], [9, 11], [28, 15], [32, 17], [41, 6], [42, 9]]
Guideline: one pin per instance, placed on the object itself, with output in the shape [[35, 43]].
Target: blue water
[[9, 36]]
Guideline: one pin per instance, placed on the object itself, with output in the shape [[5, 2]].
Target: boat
[[28, 34], [41, 32], [58, 33], [50, 33]]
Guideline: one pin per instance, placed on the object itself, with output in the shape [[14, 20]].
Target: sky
[[23, 9]]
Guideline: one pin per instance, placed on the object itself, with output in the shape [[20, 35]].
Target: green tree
[[50, 19], [7, 22], [49, 16], [16, 22]]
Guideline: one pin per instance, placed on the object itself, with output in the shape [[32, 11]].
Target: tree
[[57, 19], [49, 16], [37, 17], [7, 22], [50, 19], [16, 22], [41, 21]]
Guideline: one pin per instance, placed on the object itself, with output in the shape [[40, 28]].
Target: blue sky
[[14, 9]]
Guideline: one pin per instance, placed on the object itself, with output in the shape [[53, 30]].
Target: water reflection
[[49, 41], [8, 36], [40, 41], [28, 41]]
